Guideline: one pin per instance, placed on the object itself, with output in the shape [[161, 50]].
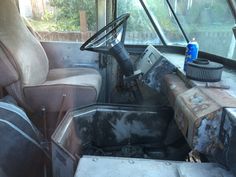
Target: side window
[[210, 22], [139, 29], [60, 20]]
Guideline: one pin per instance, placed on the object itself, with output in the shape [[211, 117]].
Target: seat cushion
[[78, 76], [65, 88]]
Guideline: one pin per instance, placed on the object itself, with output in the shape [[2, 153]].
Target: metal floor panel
[[97, 166]]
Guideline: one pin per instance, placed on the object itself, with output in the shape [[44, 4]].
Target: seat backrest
[[25, 50]]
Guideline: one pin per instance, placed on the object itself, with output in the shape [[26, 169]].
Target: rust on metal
[[199, 116], [173, 86]]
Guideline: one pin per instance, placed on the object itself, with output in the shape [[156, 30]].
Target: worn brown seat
[[24, 69]]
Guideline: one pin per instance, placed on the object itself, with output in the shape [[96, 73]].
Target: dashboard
[[205, 112]]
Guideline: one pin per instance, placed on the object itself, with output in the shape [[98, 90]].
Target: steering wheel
[[110, 40], [103, 40]]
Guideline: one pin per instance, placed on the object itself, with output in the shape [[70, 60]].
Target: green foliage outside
[[202, 18], [139, 22], [204, 15], [65, 16], [46, 23]]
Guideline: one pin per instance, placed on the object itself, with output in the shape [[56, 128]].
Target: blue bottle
[[191, 53]]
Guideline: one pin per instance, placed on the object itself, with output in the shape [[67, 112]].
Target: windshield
[[165, 22], [210, 22], [139, 29]]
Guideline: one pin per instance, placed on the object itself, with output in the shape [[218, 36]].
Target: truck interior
[[103, 92]]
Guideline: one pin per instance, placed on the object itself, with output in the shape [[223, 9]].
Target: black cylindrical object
[[122, 57], [204, 70]]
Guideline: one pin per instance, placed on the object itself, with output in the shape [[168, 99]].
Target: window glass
[[210, 22], [165, 21], [139, 29], [70, 20]]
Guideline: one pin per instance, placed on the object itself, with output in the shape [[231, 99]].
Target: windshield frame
[[232, 5]]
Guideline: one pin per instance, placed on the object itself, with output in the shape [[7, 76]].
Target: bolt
[[168, 163], [131, 161], [94, 159]]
